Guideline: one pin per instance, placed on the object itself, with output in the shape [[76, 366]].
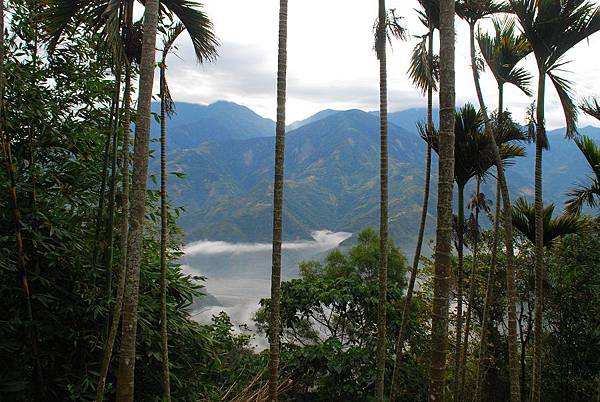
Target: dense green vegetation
[[96, 306]]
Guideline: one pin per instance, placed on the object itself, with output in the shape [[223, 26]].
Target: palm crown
[[553, 27], [524, 221], [503, 51], [105, 16], [473, 148]]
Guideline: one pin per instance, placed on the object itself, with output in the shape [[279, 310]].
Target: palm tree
[[474, 156], [275, 321], [125, 376], [552, 28], [386, 27], [102, 15], [124, 228], [424, 73], [506, 133], [472, 11], [477, 203], [589, 193], [442, 265], [380, 44], [554, 227], [502, 52], [167, 108]]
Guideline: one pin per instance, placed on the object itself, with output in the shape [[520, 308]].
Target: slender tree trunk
[[383, 205], [459, 289], [465, 347], [536, 392], [125, 378], [164, 216], [124, 227], [443, 246], [489, 292], [275, 319], [515, 394], [415, 266], [108, 257], [124, 230], [98, 244], [489, 286]]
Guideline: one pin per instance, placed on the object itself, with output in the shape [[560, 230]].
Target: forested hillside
[[331, 164]]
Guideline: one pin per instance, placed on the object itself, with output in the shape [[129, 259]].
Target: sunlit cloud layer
[[322, 240]]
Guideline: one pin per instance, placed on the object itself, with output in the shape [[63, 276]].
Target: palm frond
[[565, 94], [198, 26], [431, 137], [504, 51], [591, 107], [553, 28], [524, 221], [474, 10], [429, 14], [61, 15], [521, 78], [420, 72], [583, 195], [591, 152]]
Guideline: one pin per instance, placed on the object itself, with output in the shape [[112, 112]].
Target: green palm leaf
[[524, 221], [553, 28], [420, 72], [586, 194], [503, 51]]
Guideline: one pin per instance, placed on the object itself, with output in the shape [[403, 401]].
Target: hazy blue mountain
[[317, 116], [408, 118], [220, 121], [332, 177]]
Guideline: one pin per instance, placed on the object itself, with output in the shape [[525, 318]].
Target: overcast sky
[[331, 63]]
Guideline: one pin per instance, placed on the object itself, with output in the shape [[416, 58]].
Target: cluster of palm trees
[[469, 143], [548, 30]]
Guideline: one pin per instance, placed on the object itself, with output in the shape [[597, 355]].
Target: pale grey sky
[[331, 63]]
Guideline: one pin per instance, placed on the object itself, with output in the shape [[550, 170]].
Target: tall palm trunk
[[465, 346], [275, 319], [98, 244], [539, 243], [383, 203], [489, 286], [108, 257], [511, 293], [415, 265], [459, 288], [18, 225], [124, 227], [443, 247], [125, 377], [164, 230], [123, 232]]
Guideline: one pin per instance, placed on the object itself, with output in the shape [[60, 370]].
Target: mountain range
[[331, 172]]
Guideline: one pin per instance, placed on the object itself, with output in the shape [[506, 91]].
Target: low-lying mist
[[238, 275]]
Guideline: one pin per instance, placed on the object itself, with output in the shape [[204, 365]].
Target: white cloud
[[331, 63], [323, 240]]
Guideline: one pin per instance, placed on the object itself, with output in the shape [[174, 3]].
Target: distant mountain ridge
[[194, 124], [332, 173]]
